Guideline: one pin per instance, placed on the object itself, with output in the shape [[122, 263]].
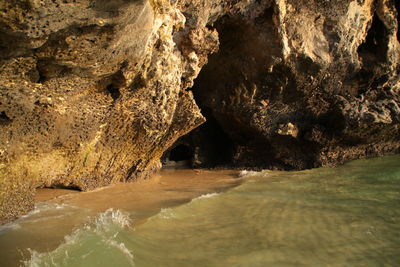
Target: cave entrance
[[181, 153], [205, 147], [219, 141], [213, 147], [213, 144], [208, 146]]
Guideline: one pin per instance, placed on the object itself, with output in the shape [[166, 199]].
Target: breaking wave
[[97, 243]]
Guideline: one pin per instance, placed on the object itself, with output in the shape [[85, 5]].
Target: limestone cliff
[[95, 91]]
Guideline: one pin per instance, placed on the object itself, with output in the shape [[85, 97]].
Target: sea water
[[345, 216]]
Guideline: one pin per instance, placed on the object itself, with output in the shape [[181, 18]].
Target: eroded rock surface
[[94, 92], [302, 84]]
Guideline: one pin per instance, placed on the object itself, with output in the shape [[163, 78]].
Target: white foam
[[121, 247], [44, 206], [35, 259], [15, 226], [209, 195], [31, 213], [105, 227], [166, 213], [246, 173], [10, 226], [87, 254], [41, 207], [111, 217]]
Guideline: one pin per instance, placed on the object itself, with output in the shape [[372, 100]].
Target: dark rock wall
[[94, 92], [305, 83]]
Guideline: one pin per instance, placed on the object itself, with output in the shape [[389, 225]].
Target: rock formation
[[95, 91], [303, 84]]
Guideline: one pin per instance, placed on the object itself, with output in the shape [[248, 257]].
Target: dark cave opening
[[208, 146], [374, 48], [213, 147], [217, 142], [181, 153], [220, 90]]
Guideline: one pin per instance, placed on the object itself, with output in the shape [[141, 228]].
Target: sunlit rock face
[[94, 92]]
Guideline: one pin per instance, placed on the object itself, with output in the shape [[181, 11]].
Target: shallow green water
[[347, 216]]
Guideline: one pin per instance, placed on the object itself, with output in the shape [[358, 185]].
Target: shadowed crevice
[[113, 84], [206, 147], [374, 49], [113, 91], [67, 187], [181, 153]]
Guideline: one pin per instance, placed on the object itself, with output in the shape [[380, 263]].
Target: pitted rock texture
[[94, 92], [303, 84]]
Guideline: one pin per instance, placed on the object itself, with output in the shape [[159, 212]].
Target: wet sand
[[145, 198], [46, 194], [168, 188]]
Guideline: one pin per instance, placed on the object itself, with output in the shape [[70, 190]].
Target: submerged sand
[[344, 216], [62, 210], [167, 188]]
